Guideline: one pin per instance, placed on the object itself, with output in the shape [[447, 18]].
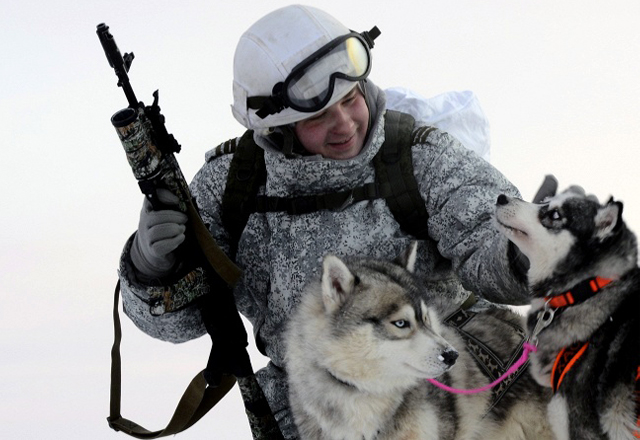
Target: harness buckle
[[545, 317], [347, 202]]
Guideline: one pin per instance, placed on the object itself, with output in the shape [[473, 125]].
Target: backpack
[[394, 181]]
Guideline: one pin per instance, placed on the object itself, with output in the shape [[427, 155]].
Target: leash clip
[[545, 317]]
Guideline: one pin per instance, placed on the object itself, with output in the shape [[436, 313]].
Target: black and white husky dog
[[585, 283]]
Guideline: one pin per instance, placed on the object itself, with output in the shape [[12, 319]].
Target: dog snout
[[502, 200], [449, 357]]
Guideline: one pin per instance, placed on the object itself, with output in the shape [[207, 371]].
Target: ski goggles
[[310, 85]]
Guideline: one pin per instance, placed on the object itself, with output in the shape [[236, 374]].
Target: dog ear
[[407, 259], [337, 283], [547, 190], [608, 219]]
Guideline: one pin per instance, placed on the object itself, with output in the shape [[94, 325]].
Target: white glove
[[159, 235]]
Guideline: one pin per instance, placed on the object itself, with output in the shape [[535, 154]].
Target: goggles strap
[[268, 105], [371, 35]]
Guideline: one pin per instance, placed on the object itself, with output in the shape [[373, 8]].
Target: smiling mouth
[[340, 144]]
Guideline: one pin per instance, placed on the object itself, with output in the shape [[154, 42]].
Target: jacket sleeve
[[460, 190], [167, 309]]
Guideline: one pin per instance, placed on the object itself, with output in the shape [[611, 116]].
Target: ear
[[547, 190], [575, 190], [608, 219], [337, 283], [407, 259]]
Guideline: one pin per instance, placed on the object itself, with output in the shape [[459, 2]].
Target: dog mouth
[[512, 229], [428, 373]]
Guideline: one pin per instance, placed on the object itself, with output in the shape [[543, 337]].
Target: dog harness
[[566, 359], [568, 356], [502, 373], [580, 293]]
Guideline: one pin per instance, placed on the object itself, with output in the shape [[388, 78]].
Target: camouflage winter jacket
[[279, 252]]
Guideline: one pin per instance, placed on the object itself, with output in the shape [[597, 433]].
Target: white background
[[559, 82]]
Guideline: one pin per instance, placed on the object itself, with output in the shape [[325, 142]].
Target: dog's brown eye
[[555, 215], [552, 219]]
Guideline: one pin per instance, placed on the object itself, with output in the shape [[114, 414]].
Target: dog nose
[[502, 200], [449, 357]]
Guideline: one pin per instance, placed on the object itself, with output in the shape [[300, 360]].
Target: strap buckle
[[545, 317]]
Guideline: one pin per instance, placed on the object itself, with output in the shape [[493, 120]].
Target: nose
[[502, 200], [342, 120], [449, 357]]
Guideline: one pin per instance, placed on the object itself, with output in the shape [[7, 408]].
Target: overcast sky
[[558, 81]]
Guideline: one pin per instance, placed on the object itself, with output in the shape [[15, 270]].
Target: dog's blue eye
[[555, 215], [401, 323]]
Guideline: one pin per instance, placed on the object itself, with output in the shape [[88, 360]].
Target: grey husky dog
[[363, 341], [584, 316]]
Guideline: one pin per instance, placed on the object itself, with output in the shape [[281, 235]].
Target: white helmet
[[294, 62]]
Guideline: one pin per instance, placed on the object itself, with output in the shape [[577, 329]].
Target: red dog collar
[[579, 293]]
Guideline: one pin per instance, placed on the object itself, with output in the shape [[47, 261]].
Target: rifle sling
[[196, 401], [218, 260]]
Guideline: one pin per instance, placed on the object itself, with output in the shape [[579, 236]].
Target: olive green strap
[[196, 401], [394, 165], [247, 172], [217, 259]]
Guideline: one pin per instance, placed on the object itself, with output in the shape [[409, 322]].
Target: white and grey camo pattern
[[280, 253]]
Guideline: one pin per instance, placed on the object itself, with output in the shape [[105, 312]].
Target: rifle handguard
[[154, 169]]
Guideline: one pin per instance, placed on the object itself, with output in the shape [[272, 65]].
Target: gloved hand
[[159, 235], [519, 262]]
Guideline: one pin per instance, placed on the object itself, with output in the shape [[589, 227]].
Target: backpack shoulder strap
[[247, 173], [394, 169], [395, 182]]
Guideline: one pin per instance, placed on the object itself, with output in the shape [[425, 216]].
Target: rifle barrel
[[117, 62]]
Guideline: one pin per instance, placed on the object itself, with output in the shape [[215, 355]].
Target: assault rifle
[[150, 151]]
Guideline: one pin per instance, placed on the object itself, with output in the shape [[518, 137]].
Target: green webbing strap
[[394, 165], [335, 201], [215, 256], [395, 182], [246, 173], [196, 401]]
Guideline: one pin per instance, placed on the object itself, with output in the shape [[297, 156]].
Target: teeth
[[441, 358]]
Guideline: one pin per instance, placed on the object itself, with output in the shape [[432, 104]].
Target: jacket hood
[[302, 175]]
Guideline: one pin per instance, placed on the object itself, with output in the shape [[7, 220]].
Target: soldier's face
[[338, 132]]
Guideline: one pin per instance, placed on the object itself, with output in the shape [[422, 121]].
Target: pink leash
[[528, 348]]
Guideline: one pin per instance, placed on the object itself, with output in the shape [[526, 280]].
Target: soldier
[[301, 84]]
